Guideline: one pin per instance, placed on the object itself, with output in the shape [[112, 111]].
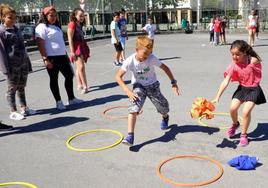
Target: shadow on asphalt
[[168, 58], [85, 104], [228, 143], [170, 135], [106, 86], [260, 45], [45, 125], [259, 134]]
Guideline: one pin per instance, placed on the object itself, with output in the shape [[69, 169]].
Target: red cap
[[47, 9]]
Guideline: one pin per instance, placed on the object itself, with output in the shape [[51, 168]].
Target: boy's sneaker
[[27, 111], [164, 123], [243, 140], [232, 129], [117, 63], [4, 127], [129, 140], [16, 116], [75, 101], [60, 105]]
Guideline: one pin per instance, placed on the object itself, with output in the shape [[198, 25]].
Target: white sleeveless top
[[253, 20]]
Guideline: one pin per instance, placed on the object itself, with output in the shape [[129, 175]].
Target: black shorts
[[254, 94], [118, 47]]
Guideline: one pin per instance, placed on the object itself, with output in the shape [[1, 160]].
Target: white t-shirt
[[150, 29], [53, 37], [252, 20], [117, 32], [142, 72], [210, 26]]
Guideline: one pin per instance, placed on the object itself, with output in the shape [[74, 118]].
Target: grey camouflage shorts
[[153, 92]]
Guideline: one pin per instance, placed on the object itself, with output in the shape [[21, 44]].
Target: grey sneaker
[[60, 105], [75, 101], [27, 111]]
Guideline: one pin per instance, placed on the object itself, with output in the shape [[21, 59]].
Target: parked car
[[28, 32]]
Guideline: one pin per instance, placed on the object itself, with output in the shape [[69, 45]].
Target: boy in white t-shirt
[[115, 38], [150, 29], [145, 84]]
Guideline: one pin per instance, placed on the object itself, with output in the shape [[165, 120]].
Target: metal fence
[[99, 14]]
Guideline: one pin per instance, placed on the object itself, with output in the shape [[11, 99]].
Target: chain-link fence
[[99, 13]]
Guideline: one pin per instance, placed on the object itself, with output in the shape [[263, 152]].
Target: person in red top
[[217, 30], [247, 70], [78, 47]]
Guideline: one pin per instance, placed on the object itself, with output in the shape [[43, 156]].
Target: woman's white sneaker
[[16, 116]]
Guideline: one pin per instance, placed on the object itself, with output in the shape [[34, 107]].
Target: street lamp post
[[198, 12], [146, 9], [103, 18], [225, 8]]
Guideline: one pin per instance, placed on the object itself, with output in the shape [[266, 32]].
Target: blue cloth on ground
[[244, 162]]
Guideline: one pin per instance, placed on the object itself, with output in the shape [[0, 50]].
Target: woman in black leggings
[[52, 48]]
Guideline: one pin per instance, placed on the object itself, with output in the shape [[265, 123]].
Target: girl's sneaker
[[16, 116], [27, 111], [232, 129], [79, 88], [243, 140], [85, 90], [60, 105], [129, 140]]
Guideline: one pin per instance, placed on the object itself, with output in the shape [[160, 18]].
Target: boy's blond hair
[[144, 42]]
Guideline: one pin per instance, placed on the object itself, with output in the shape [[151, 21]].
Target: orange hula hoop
[[104, 113], [215, 178]]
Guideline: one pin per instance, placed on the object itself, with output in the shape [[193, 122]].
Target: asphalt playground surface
[[35, 150]]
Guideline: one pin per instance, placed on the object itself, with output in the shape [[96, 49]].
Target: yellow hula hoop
[[18, 183], [215, 126], [94, 149], [215, 178]]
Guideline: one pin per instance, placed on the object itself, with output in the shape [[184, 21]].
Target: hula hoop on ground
[[104, 113], [94, 149], [215, 178], [18, 183], [215, 126]]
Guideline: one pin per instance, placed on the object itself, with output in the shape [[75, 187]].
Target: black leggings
[[61, 64], [211, 36]]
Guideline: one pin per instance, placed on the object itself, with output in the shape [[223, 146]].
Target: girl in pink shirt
[[245, 69]]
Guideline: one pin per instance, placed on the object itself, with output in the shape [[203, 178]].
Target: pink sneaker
[[232, 129], [243, 140]]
